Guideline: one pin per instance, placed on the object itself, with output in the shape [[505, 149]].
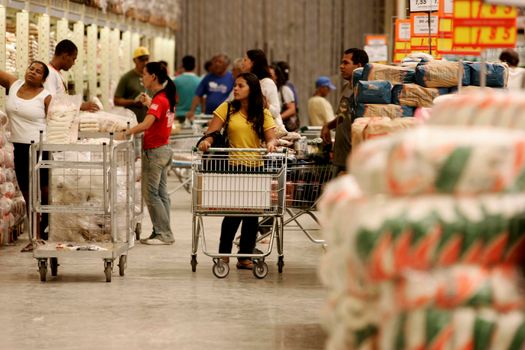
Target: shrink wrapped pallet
[[437, 73], [375, 91], [442, 160], [414, 95], [394, 74]]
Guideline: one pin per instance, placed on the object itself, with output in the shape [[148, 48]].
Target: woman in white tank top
[[26, 107]]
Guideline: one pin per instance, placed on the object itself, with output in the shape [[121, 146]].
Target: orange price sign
[[477, 24]]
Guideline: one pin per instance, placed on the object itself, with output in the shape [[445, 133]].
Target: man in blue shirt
[[186, 84], [216, 86]]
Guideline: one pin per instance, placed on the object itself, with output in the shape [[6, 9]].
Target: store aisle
[[160, 303]]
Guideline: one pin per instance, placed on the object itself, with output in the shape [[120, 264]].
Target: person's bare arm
[[6, 79], [271, 141], [145, 125], [194, 103], [215, 125], [289, 112]]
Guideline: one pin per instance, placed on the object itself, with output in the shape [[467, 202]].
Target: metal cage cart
[[238, 182], [139, 201], [92, 196]]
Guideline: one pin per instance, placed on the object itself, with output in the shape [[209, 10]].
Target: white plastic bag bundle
[[441, 160], [62, 119]]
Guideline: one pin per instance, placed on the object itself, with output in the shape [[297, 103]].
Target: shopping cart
[[182, 146], [304, 185], [238, 182], [91, 203]]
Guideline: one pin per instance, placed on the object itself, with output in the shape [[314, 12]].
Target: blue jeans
[[155, 165]]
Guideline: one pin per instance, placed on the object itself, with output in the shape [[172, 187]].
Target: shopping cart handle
[[228, 150]]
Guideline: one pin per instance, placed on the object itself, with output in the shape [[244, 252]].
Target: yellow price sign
[[480, 25], [475, 9]]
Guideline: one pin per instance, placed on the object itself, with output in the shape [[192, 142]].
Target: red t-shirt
[[159, 133]]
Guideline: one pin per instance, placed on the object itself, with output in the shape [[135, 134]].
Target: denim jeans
[[155, 165]]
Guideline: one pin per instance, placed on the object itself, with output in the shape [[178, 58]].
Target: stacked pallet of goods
[[426, 239], [383, 93], [12, 203]]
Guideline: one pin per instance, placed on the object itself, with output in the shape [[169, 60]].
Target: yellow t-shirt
[[241, 133]]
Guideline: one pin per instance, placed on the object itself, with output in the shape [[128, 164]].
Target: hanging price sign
[[423, 5], [476, 24], [402, 43], [445, 42]]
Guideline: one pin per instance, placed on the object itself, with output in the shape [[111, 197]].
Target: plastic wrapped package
[[7, 189], [357, 76], [379, 110], [441, 74], [376, 91], [497, 74], [393, 74], [370, 128], [102, 121], [5, 206], [442, 160], [62, 122], [414, 95], [10, 174]]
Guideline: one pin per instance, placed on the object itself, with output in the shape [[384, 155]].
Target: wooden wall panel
[[310, 34]]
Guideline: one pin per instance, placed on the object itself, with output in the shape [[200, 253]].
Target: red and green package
[[473, 240], [496, 234], [426, 234], [448, 251]]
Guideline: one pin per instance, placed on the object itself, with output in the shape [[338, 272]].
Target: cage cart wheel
[[122, 264], [260, 270], [42, 268], [220, 269], [194, 263], [53, 263], [280, 264], [138, 231], [108, 269]]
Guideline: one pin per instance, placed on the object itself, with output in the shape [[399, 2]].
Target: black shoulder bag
[[218, 161]]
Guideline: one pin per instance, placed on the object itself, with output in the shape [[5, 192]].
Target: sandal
[[245, 264]]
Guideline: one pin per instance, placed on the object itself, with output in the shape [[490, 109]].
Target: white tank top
[[26, 117]]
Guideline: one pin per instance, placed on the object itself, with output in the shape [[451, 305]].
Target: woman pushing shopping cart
[[241, 184]]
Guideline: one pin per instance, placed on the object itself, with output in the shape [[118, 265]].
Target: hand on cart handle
[[326, 135], [205, 144], [271, 146]]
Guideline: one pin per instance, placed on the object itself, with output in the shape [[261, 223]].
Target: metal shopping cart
[[238, 182], [304, 185], [91, 203], [182, 146]]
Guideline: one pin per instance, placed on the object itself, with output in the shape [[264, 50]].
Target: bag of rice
[[377, 91], [436, 73], [497, 74], [414, 95], [394, 74]]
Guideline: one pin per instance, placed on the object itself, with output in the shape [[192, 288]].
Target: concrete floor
[[160, 303]]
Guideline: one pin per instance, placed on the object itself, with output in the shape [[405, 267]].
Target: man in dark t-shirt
[[130, 85]]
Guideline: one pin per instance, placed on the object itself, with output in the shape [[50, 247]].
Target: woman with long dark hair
[[157, 154], [249, 125], [255, 62], [286, 99]]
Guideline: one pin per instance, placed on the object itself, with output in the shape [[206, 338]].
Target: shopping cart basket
[[91, 203], [238, 182], [304, 185]]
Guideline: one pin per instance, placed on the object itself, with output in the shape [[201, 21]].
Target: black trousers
[[229, 227], [21, 153]]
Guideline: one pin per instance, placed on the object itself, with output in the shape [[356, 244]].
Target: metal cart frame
[[182, 145], [113, 155], [223, 185]]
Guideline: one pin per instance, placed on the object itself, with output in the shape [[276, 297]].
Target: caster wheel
[[108, 269], [194, 263], [53, 262], [138, 231], [221, 269], [260, 270], [42, 269], [122, 264], [280, 264]]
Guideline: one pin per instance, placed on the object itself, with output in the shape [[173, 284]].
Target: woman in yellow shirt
[[249, 125]]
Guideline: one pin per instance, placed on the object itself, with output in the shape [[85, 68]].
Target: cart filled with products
[[91, 205], [238, 182]]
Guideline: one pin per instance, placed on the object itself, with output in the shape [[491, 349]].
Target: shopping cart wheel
[[108, 269], [138, 231], [53, 262], [220, 268], [122, 264], [280, 264], [194, 263], [42, 268], [260, 270]]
